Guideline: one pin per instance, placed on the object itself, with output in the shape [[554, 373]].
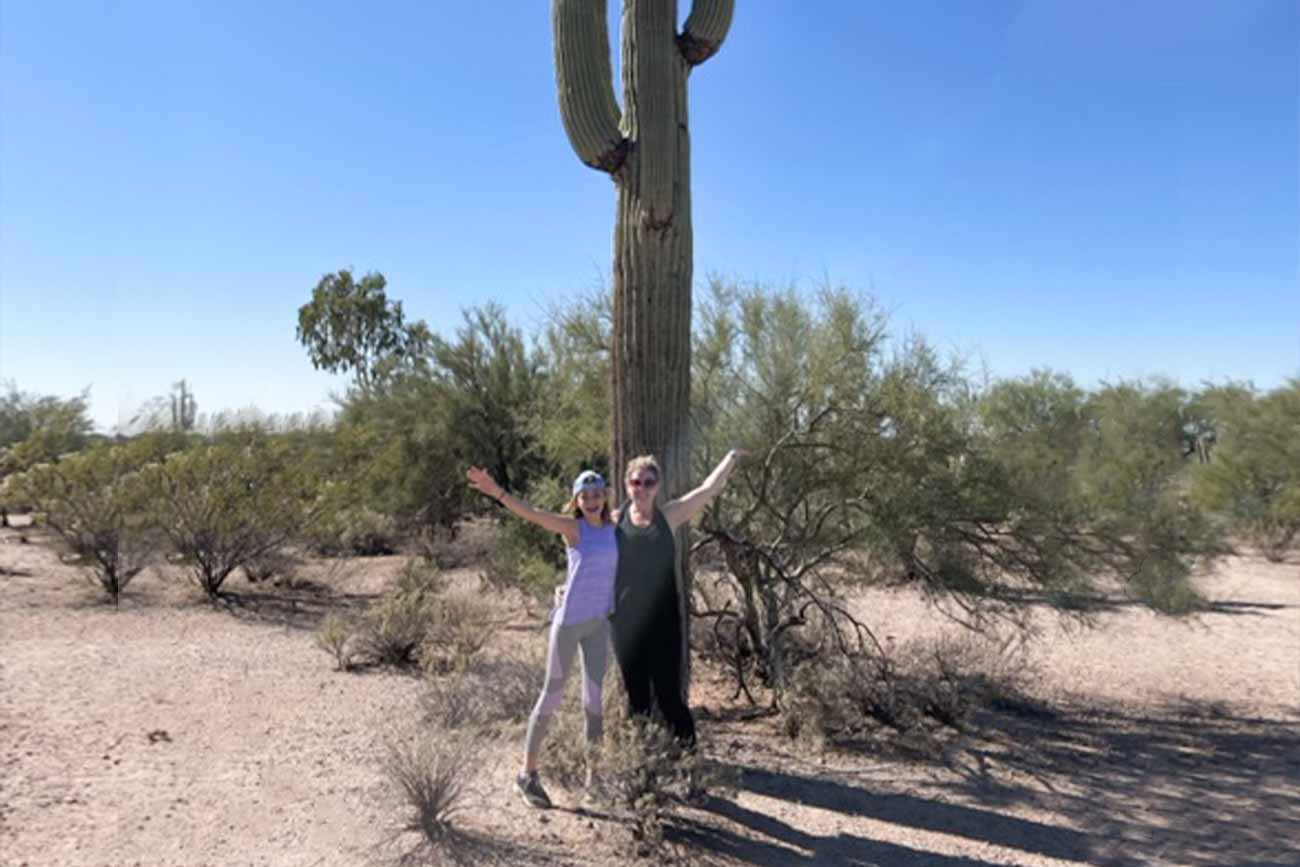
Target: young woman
[[581, 616], [647, 626]]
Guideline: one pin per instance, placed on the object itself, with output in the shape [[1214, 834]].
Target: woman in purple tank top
[[581, 617]]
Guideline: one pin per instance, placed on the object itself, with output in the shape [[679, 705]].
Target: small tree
[[38, 429], [97, 503], [228, 502], [351, 326]]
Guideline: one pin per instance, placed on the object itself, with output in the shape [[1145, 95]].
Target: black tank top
[[645, 585]]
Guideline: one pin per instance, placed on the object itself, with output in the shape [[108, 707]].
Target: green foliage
[[396, 454], [491, 385], [527, 557], [98, 504], [38, 429], [352, 326], [876, 466], [1254, 477], [571, 420], [229, 501]]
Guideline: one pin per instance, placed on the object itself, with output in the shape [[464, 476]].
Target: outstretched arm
[[688, 505], [482, 481]]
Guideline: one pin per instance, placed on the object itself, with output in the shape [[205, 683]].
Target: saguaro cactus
[[646, 149]]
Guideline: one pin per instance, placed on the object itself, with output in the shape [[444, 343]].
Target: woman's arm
[[688, 505], [566, 526]]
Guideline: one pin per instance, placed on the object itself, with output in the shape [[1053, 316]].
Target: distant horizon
[[1107, 190]]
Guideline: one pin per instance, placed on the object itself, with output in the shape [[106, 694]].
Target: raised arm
[[688, 505], [565, 525]]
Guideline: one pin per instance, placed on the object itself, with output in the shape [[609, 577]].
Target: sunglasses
[[649, 482]]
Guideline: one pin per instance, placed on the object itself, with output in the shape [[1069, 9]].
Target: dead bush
[[913, 690]]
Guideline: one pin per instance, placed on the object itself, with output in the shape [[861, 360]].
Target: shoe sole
[[536, 805]]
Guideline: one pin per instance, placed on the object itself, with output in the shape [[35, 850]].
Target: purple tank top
[[589, 590]]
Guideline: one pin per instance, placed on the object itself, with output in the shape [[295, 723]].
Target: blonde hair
[[641, 462]]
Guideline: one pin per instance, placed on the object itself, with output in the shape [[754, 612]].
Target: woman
[[647, 618], [581, 616]]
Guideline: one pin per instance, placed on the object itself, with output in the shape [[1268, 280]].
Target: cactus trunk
[[646, 149]]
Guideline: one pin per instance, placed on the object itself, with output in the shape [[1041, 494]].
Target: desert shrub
[[97, 503], [333, 636], [1253, 480], [433, 774], [876, 466], [460, 626], [355, 531], [912, 690], [393, 629], [647, 777], [484, 693], [235, 499], [276, 562]]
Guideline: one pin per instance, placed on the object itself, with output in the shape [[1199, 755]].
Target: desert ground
[[170, 731]]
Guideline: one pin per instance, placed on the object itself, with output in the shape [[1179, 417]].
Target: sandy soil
[[172, 732]]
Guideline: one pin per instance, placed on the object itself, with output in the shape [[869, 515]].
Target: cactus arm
[[705, 29], [584, 81]]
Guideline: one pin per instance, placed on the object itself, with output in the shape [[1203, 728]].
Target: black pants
[[649, 654]]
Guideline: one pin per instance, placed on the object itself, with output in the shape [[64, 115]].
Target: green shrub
[[355, 531], [234, 500], [97, 502], [1253, 479]]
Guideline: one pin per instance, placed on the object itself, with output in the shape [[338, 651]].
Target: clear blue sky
[[1110, 189]]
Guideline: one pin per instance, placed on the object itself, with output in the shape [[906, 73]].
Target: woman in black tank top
[[647, 619]]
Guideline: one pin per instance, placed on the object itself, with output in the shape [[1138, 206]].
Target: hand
[[559, 596], [480, 480]]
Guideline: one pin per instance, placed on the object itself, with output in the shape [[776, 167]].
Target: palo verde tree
[[645, 148]]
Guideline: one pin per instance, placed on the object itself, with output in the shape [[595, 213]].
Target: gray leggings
[[593, 637]]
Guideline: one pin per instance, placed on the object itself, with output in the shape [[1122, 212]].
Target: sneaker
[[530, 789]]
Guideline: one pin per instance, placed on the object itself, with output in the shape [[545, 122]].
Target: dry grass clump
[[433, 774]]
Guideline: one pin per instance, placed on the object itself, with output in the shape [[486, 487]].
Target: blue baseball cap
[[588, 480]]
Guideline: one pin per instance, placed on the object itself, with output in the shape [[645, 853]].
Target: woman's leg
[[633, 664], [595, 660], [666, 676], [559, 658]]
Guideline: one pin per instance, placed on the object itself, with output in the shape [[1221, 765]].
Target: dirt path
[[170, 732]]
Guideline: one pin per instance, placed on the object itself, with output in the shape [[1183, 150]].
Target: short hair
[[640, 462]]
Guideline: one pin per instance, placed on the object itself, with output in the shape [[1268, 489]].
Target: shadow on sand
[[1188, 786]]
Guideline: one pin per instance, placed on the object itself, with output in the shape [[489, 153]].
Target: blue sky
[[1109, 188]]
